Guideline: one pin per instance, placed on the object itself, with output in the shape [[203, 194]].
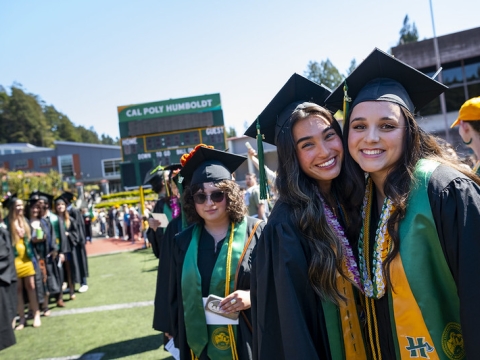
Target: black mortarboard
[[67, 197], [209, 165], [9, 200], [381, 77], [153, 174], [296, 91], [38, 195]]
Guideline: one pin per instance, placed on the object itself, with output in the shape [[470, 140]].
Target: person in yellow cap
[[468, 122]]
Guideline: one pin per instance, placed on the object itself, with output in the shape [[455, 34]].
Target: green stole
[[199, 334], [427, 297], [167, 211], [56, 230]]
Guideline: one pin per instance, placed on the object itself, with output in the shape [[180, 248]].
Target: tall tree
[[408, 32], [353, 65], [231, 132], [60, 125], [324, 73]]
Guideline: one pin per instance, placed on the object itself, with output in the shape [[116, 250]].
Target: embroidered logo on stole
[[221, 338], [418, 347], [452, 341]]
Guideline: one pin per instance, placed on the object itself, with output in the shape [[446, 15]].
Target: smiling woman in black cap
[[212, 257], [304, 274], [418, 249]]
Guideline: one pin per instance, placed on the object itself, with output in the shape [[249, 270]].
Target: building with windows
[[79, 163], [460, 62]]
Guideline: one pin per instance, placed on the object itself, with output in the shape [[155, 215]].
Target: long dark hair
[[300, 192], [417, 144]]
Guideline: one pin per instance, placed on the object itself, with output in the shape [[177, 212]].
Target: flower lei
[[175, 206], [185, 157], [348, 259], [376, 288]]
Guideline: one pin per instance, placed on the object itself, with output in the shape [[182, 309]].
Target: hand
[[252, 152], [67, 233], [153, 224], [168, 336], [62, 257], [240, 299]]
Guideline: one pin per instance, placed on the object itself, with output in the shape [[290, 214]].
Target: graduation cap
[[38, 195], [297, 92], [381, 77], [154, 174], [274, 117], [9, 201], [205, 164], [67, 196]]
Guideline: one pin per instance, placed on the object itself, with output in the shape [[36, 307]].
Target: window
[[454, 98], [473, 90], [65, 165], [45, 161], [111, 167], [21, 164]]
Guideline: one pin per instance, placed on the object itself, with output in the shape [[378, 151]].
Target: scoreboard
[[161, 132]]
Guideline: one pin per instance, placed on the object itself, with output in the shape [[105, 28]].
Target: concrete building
[[79, 163], [460, 62]]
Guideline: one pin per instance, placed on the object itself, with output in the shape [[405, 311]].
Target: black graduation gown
[[79, 251], [69, 245], [288, 319], [455, 204], [155, 237], [161, 315], [54, 275], [8, 290], [180, 247]]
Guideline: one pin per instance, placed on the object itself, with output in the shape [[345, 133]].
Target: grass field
[[125, 333]]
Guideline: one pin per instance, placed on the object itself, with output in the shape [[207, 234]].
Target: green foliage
[[324, 73], [23, 183], [353, 65], [408, 33], [231, 132], [26, 118], [125, 197]]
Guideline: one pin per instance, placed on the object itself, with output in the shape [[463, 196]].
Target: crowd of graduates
[[368, 253], [42, 259]]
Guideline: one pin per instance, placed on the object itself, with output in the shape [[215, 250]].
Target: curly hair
[[236, 208], [417, 144], [300, 191]]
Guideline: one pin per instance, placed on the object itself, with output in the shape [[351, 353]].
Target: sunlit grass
[[124, 333]]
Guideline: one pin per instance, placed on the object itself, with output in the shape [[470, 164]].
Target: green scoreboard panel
[[161, 132]]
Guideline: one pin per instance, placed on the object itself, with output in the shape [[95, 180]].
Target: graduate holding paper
[[212, 257]]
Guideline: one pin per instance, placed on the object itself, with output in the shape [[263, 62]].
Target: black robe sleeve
[[288, 320], [161, 316], [8, 290], [455, 203], [155, 237]]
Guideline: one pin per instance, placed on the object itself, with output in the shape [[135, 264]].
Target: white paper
[[214, 319], [170, 347], [162, 218]]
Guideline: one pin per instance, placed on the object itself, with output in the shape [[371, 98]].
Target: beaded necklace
[[376, 288], [348, 260]]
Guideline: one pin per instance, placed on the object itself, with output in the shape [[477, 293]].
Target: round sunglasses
[[216, 196]]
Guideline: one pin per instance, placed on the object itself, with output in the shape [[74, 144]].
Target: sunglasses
[[216, 196]]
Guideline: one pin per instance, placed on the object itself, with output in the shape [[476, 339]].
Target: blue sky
[[88, 57]]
